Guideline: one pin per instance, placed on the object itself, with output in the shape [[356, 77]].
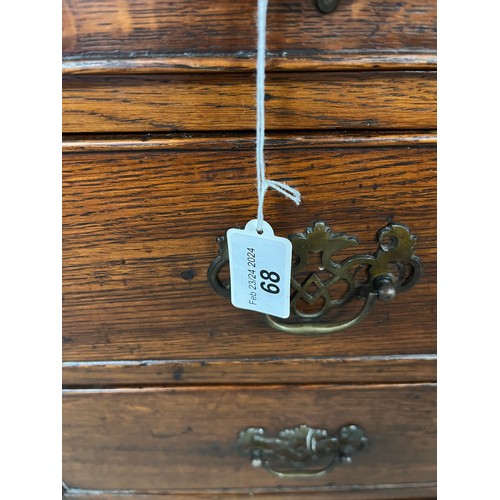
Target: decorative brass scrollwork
[[392, 269], [302, 451]]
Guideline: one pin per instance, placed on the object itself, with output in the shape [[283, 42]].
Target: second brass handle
[[302, 451]]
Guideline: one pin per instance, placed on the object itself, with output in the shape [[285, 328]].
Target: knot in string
[[263, 184]]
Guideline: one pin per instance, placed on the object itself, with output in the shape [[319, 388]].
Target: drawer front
[[108, 29], [168, 440], [356, 100], [140, 225]]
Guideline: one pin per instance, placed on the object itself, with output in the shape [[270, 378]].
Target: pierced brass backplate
[[316, 294], [303, 451]]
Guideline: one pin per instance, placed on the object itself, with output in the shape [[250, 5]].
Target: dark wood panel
[[244, 371], [140, 229], [178, 102], [124, 28], [169, 439]]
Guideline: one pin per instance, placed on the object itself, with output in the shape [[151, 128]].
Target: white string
[[262, 183]]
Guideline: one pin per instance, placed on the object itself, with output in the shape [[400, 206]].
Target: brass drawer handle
[[303, 451], [320, 288]]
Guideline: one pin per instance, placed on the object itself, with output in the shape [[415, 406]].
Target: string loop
[[263, 184]]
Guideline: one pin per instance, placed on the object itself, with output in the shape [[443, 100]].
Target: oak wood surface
[[171, 439], [149, 27], [142, 208], [139, 234], [341, 369], [229, 64], [219, 101], [115, 29], [222, 141]]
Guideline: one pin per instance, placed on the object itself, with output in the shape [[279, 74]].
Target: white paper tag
[[260, 270]]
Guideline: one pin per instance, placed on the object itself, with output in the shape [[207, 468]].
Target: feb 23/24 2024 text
[[260, 267]]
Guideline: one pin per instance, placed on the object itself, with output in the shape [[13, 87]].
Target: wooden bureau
[[161, 374]]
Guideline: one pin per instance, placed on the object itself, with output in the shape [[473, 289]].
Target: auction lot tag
[[260, 270]]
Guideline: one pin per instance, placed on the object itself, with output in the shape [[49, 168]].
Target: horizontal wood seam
[[220, 133], [296, 489], [203, 63], [146, 362], [223, 385], [254, 386], [245, 141], [248, 371]]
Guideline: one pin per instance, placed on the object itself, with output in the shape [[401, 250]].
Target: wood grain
[[114, 29], [275, 140], [139, 234], [158, 112], [415, 492], [229, 64], [340, 369], [197, 102], [174, 439]]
